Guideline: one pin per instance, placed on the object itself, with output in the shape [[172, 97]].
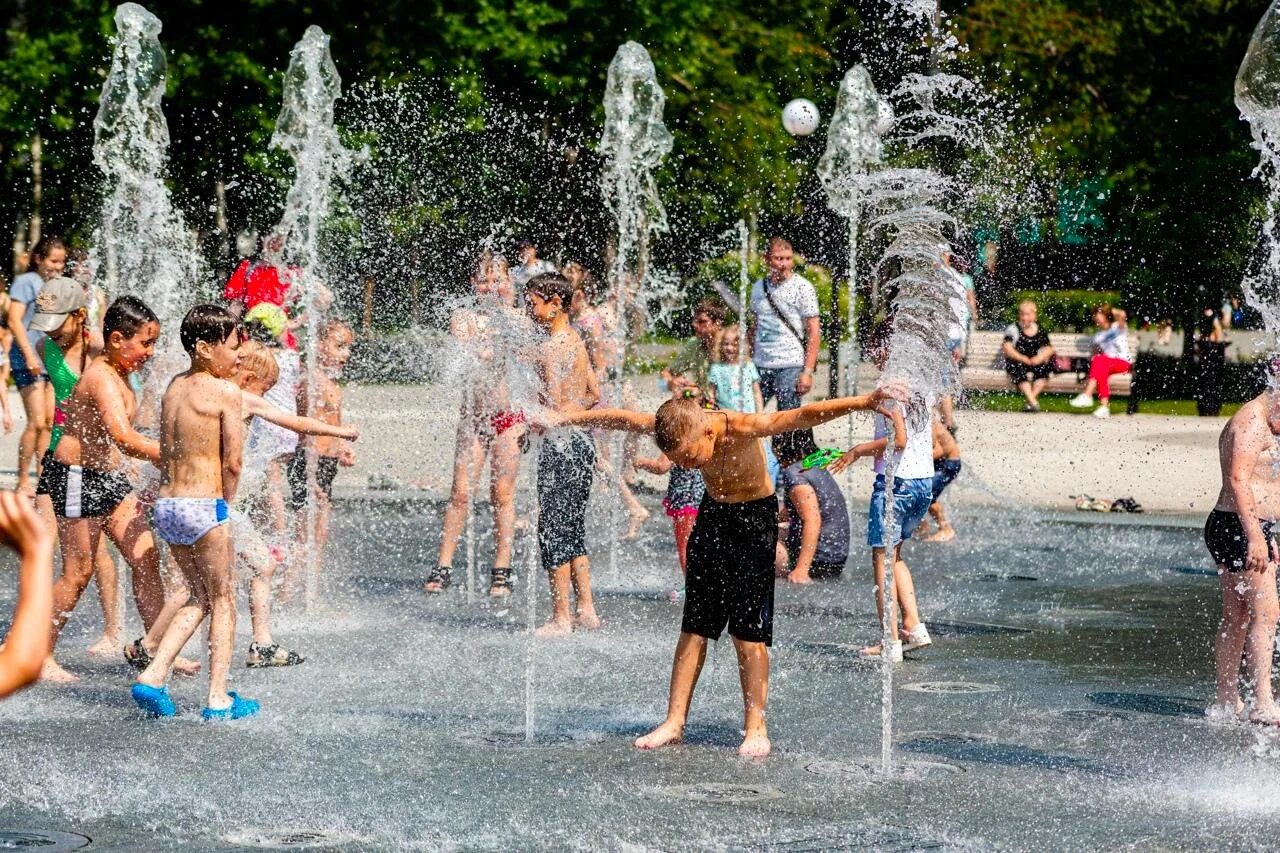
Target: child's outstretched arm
[[256, 406], [622, 420], [659, 465], [868, 448], [27, 645], [813, 414]]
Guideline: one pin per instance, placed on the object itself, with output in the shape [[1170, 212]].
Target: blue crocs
[[154, 700], [239, 708]]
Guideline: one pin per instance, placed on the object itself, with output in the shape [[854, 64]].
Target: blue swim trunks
[[911, 500]]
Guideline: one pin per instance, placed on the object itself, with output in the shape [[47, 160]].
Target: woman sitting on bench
[[1111, 357]]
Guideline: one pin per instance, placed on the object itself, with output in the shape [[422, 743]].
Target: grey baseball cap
[[58, 298]]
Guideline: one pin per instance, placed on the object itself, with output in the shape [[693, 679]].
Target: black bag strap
[[768, 294]]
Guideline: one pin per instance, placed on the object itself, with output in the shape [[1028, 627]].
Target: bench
[[984, 364]]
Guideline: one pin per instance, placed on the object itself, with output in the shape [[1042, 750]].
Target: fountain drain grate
[[937, 737], [724, 793], [880, 838], [911, 770], [951, 687], [994, 576], [1090, 715], [50, 841]]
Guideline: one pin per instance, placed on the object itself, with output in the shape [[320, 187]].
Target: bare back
[[201, 433], [1247, 449]]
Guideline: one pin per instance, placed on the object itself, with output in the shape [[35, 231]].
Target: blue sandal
[[239, 709], [156, 701]]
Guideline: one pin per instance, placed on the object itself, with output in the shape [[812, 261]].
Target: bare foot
[[800, 579], [1225, 712], [755, 745], [184, 666], [637, 519], [944, 534], [667, 734], [1266, 715], [108, 646], [587, 621], [555, 628], [51, 672]]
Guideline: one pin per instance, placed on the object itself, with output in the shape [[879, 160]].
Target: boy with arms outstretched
[[565, 462], [731, 549], [201, 436]]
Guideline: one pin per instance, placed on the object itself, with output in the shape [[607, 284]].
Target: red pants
[[1101, 368]]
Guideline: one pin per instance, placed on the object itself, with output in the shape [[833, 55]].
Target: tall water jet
[[305, 131], [1257, 95], [141, 244], [854, 146], [634, 142]]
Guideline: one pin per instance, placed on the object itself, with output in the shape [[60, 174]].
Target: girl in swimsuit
[[488, 427]]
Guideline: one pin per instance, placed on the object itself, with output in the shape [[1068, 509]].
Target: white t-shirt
[[521, 274], [1113, 342], [916, 461], [266, 441], [775, 345]]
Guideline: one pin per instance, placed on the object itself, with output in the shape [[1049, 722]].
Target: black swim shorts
[[79, 492], [1227, 542], [730, 570], [326, 470], [565, 466]]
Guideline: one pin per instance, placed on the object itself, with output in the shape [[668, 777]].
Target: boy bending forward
[[731, 550]]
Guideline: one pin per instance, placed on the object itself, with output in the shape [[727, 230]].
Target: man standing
[[784, 330]]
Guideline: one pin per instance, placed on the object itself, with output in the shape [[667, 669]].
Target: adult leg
[[788, 396], [1037, 388], [753, 673], [691, 651], [1024, 387], [1228, 643], [108, 580], [768, 385], [79, 539]]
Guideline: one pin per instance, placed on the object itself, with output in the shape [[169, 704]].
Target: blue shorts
[[944, 471], [22, 377], [911, 500]]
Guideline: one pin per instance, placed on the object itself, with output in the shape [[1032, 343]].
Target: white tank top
[[916, 462]]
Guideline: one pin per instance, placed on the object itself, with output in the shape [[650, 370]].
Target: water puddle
[[514, 740], [297, 839], [911, 770]]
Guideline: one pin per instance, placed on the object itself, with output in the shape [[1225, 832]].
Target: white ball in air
[[800, 117]]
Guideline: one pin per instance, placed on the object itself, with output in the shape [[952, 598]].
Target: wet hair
[[778, 243], [330, 326], [211, 324], [1104, 308], [42, 249], [791, 447], [550, 285], [713, 307], [257, 361], [676, 421], [127, 315], [525, 242]]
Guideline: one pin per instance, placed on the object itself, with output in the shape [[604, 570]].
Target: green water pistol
[[822, 458]]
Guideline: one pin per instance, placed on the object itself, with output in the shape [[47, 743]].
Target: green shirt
[[64, 382]]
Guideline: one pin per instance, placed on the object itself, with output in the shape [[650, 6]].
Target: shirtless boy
[[1239, 536], [90, 495], [731, 550], [201, 440], [328, 452], [565, 461]]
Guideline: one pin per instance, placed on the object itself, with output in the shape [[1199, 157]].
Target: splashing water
[[305, 131], [634, 143], [141, 245], [1257, 95]]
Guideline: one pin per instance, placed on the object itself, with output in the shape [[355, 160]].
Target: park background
[[481, 119]]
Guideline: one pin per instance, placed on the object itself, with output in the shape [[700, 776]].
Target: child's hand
[[846, 459], [8, 423], [890, 391], [346, 457], [20, 528]]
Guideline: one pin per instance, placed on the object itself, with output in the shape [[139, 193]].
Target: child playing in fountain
[[27, 645], [946, 467], [565, 462], [257, 374], [332, 354], [201, 440], [90, 495], [912, 495], [731, 549], [1239, 537]]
